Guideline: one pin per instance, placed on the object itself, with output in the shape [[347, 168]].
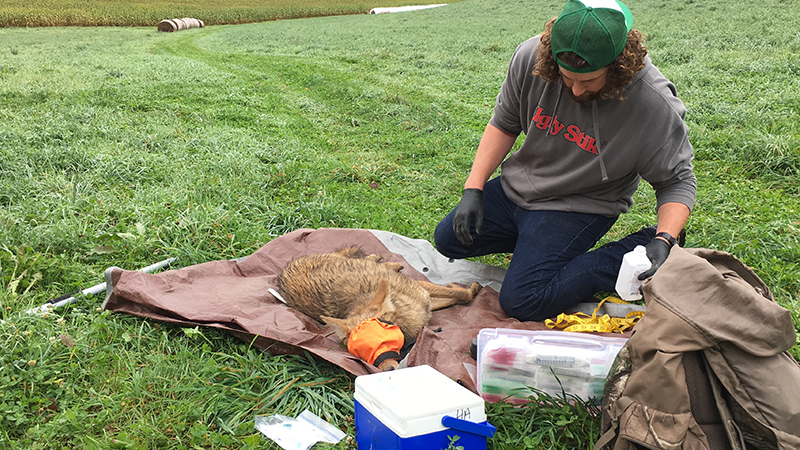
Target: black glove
[[470, 207], [657, 251]]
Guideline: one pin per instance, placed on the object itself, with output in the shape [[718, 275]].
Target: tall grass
[[122, 146], [36, 13]]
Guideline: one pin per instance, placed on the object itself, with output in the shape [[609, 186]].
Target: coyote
[[344, 288]]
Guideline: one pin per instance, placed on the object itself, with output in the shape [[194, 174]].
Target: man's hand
[[657, 252], [470, 207]]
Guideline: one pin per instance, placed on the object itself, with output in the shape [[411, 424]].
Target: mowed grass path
[[122, 146]]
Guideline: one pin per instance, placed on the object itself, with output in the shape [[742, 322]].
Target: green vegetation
[[37, 13], [122, 146]]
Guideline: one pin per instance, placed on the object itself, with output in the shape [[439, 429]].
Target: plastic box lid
[[412, 401], [511, 362]]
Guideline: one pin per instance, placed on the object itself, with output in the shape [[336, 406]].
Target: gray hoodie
[[589, 158]]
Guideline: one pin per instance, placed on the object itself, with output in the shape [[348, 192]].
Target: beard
[[588, 97]]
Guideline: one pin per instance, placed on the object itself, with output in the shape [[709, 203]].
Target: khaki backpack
[[707, 367]]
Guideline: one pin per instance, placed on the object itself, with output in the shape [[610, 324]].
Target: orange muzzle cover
[[371, 338]]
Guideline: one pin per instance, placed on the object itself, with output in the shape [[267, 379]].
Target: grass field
[[122, 146], [37, 13]]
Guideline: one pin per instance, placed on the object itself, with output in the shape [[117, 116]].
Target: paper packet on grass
[[300, 433]]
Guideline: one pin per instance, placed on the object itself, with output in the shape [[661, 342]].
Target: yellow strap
[[614, 299], [582, 322]]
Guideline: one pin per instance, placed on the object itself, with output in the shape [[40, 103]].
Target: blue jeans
[[551, 268]]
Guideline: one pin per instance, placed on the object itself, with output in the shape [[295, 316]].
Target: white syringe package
[[514, 364]]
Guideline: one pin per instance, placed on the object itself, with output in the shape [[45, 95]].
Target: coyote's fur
[[343, 288]]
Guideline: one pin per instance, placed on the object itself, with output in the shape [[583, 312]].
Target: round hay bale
[[180, 24], [167, 25]]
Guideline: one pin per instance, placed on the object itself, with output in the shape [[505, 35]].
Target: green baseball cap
[[595, 30]]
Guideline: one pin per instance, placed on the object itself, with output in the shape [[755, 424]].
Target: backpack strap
[[731, 429], [615, 412]]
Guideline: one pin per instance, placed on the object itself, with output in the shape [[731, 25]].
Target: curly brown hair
[[621, 70]]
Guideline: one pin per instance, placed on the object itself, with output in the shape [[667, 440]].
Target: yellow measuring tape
[[582, 322]]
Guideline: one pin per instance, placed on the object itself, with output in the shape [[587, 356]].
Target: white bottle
[[628, 282]]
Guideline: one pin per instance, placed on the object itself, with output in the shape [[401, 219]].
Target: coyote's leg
[[351, 252], [393, 266], [446, 296]]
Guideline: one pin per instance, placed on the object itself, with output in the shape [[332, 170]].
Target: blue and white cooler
[[418, 408]]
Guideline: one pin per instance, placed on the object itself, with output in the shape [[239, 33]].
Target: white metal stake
[[96, 289]]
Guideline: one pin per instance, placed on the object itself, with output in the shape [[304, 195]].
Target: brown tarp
[[233, 295]]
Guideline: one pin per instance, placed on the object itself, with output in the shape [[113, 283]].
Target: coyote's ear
[[339, 326], [381, 302]]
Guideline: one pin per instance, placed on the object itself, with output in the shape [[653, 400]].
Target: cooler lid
[[412, 401]]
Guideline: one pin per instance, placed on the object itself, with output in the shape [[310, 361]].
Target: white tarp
[[402, 8]]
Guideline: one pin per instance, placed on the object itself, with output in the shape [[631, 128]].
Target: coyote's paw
[[473, 289]]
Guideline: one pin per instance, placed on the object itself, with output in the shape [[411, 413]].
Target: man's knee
[[445, 240], [451, 247], [525, 306]]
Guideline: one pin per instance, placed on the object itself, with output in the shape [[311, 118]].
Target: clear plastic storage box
[[512, 363]]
